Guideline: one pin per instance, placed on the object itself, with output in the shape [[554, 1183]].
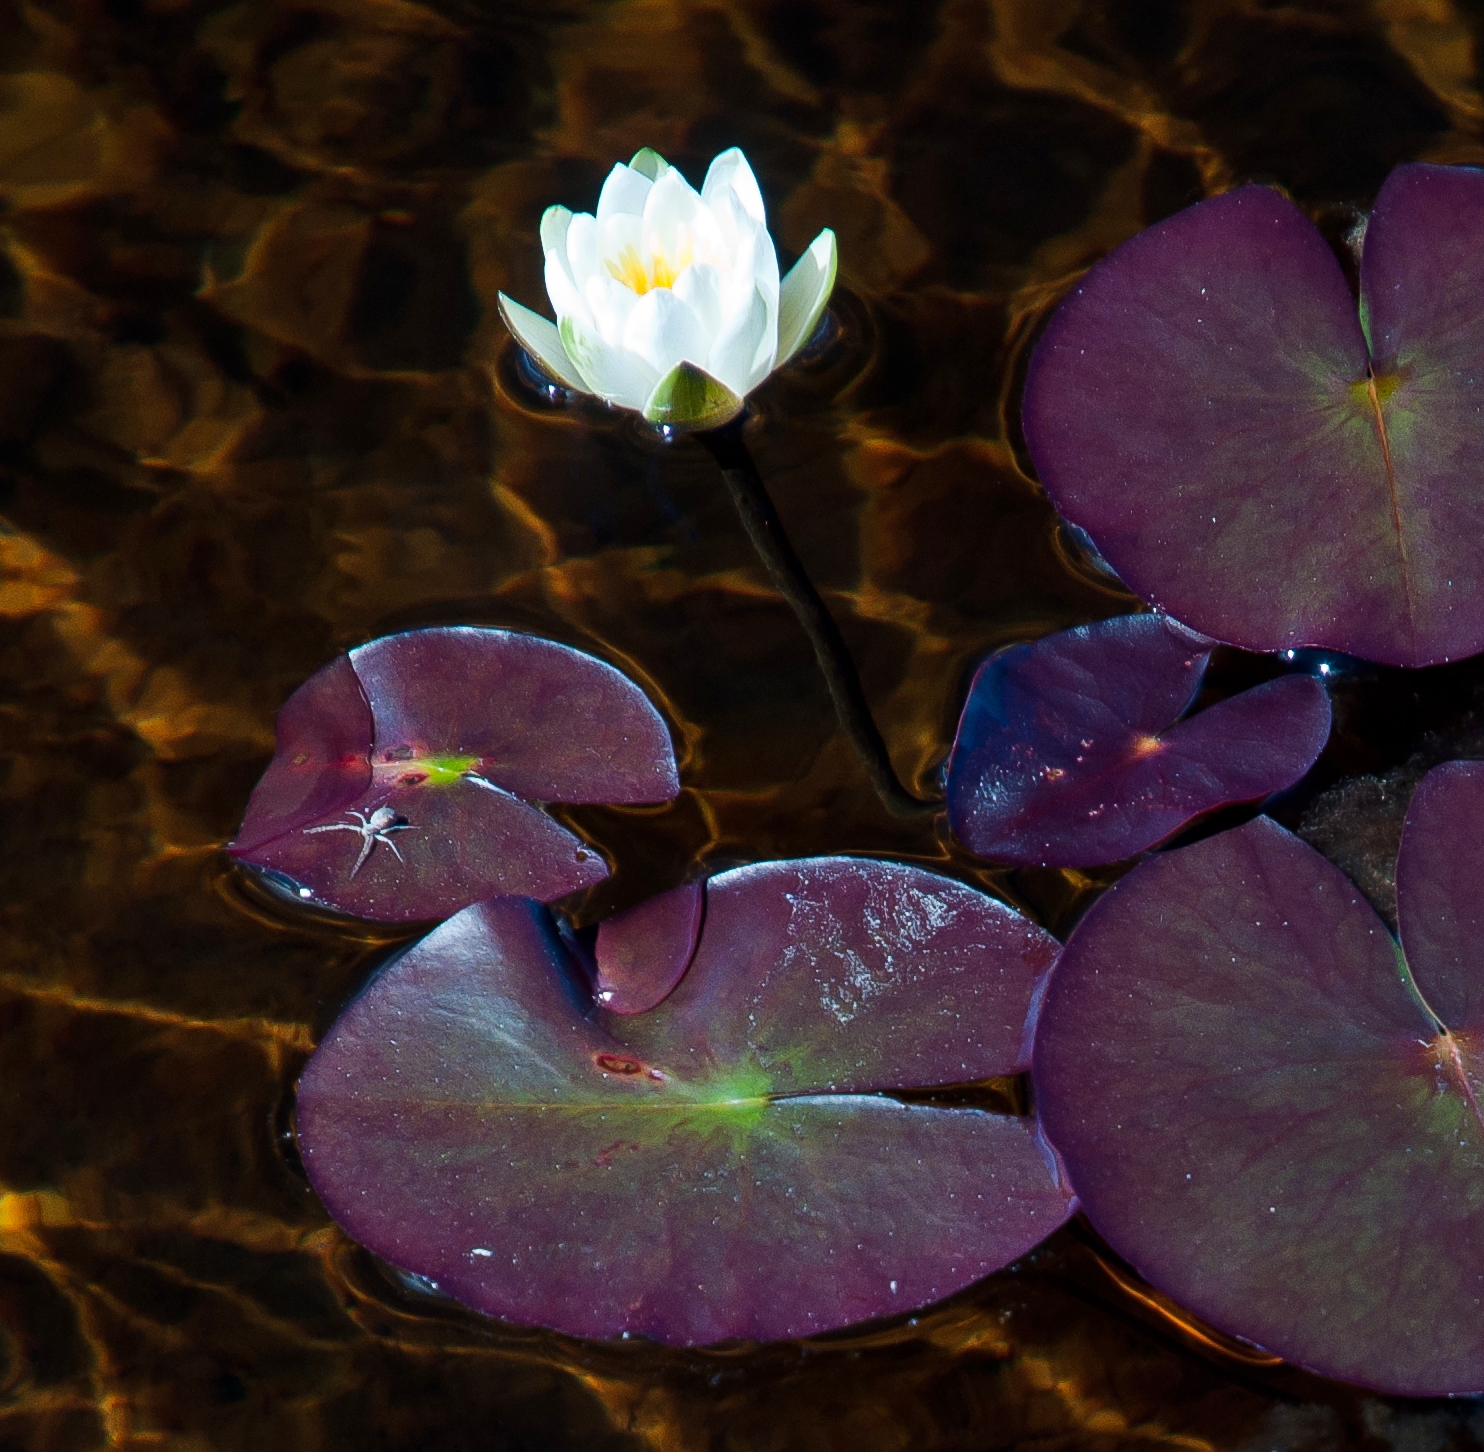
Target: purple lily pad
[[405, 771], [1439, 872], [1256, 458], [1260, 1108], [643, 953], [1069, 754], [723, 1166]]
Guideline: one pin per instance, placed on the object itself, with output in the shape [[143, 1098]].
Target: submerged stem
[[765, 530]]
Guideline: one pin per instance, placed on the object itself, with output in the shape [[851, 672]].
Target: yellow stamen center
[[658, 269]]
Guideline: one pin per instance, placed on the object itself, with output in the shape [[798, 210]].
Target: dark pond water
[[256, 406]]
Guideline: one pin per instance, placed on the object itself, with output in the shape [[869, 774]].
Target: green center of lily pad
[[432, 771]]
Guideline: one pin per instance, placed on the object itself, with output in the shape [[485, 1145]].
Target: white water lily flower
[[668, 301]]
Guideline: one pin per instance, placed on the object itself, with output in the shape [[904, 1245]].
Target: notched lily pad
[[642, 953], [1256, 458], [1070, 751], [403, 783], [1272, 1114], [730, 1164]]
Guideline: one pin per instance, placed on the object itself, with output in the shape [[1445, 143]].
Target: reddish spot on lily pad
[[405, 775], [1259, 459], [1270, 1112], [730, 1164], [1070, 751], [643, 953]]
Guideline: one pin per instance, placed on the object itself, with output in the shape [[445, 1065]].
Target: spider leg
[[367, 846], [332, 827], [393, 846]]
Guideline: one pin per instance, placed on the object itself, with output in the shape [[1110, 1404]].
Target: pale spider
[[373, 829]]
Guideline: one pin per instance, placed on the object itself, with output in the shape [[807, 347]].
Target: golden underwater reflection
[[256, 407]]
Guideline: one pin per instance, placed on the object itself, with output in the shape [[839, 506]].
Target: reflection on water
[[256, 407]]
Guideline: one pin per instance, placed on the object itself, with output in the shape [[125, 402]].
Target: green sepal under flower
[[688, 397], [648, 162]]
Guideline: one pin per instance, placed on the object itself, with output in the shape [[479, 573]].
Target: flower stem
[[765, 530]]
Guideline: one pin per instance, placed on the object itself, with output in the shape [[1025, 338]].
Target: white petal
[[804, 293], [582, 247], [554, 224], [730, 219], [702, 287], [758, 249], [609, 372], [753, 266], [746, 342], [624, 191], [676, 225], [566, 301], [542, 341], [617, 235], [609, 303], [765, 360], [663, 331], [730, 172], [753, 262], [672, 189]]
